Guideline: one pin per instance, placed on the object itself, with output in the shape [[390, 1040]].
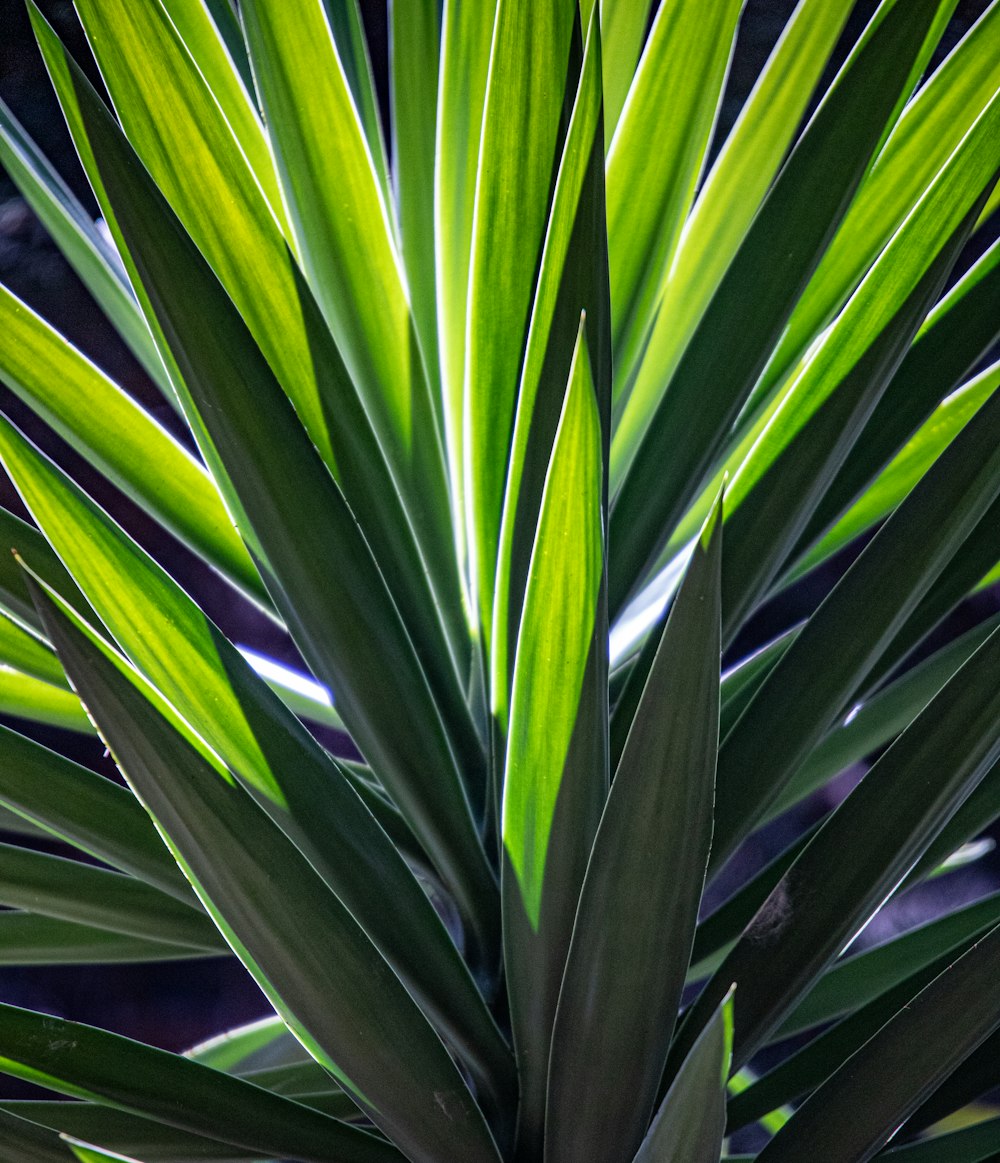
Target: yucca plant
[[512, 413]]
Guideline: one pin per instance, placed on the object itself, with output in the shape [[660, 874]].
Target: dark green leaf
[[68, 889], [859, 855], [876, 722], [764, 748], [118, 1130], [86, 810], [326, 978], [27, 939], [620, 992], [31, 1142], [956, 334], [84, 1062], [691, 1121], [856, 1111]]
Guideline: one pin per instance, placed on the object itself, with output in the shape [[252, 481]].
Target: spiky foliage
[[513, 419]]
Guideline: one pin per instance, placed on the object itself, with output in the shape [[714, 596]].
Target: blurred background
[[178, 1004]]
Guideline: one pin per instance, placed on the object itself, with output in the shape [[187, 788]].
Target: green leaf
[[568, 285], [188, 658], [555, 639], [466, 41], [691, 1120], [84, 1062], [929, 130], [876, 722], [21, 650], [120, 440], [95, 261], [898, 477], [809, 435], [859, 855], [977, 1144], [620, 994], [957, 333], [33, 1144], [857, 1111], [756, 296], [414, 52], [266, 1042], [718, 222], [177, 272], [556, 775], [348, 30], [623, 31], [25, 697], [86, 810], [683, 69], [200, 26], [27, 939], [55, 887], [343, 234], [117, 1130], [525, 94], [854, 981], [329, 982], [766, 746], [85, 1153], [32, 548], [168, 112]]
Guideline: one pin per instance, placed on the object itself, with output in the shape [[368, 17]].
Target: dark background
[[175, 1005]]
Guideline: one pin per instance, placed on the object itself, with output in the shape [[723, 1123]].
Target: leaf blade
[[620, 995]]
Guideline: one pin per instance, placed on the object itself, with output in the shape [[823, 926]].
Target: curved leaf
[[68, 889], [121, 440], [84, 1062], [329, 982]]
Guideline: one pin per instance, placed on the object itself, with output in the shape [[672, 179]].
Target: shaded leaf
[[327, 979], [620, 992], [691, 1121]]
